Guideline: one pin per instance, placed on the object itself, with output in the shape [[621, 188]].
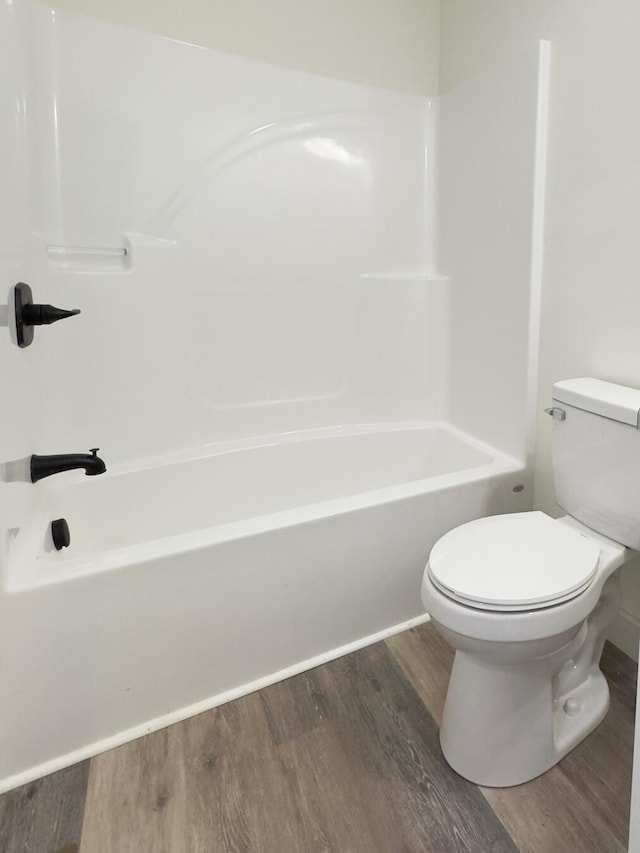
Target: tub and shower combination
[[292, 405]]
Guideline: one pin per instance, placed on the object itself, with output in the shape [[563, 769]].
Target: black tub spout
[[45, 466]]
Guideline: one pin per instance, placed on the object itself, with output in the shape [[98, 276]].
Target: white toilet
[[526, 599]]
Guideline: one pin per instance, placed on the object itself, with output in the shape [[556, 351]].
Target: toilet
[[526, 599]]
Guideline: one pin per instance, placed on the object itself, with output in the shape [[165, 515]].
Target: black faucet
[[45, 466]]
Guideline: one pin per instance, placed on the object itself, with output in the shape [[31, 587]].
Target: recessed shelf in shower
[[89, 258]]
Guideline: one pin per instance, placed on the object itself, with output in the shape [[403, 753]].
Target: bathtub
[[194, 579]]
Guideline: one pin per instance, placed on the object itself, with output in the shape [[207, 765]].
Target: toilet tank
[[596, 456]]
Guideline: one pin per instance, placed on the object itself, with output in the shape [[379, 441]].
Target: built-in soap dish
[[89, 259]]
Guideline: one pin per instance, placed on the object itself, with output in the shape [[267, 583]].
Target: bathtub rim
[[24, 569], [292, 437]]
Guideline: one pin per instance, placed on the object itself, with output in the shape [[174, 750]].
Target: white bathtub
[[191, 582]]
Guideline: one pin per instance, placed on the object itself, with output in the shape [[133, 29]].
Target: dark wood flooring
[[341, 759]]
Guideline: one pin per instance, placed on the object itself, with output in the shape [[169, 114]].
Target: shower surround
[[306, 350]]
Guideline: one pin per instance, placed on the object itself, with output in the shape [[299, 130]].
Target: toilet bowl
[[525, 686], [526, 600]]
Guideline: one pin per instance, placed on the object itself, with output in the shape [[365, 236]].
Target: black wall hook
[[29, 315]]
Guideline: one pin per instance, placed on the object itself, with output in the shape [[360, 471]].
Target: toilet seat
[[515, 562]]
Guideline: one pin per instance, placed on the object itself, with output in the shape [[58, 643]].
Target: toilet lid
[[521, 561]]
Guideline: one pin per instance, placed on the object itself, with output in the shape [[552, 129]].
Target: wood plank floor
[[341, 759]]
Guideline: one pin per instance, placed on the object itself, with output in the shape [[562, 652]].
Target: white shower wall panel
[[269, 217], [14, 209], [150, 122], [492, 163], [20, 382]]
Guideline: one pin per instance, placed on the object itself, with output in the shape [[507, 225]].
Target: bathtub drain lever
[[60, 533]]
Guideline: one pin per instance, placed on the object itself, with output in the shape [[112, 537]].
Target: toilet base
[[502, 726]]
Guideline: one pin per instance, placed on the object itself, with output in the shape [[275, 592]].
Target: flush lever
[[556, 413]]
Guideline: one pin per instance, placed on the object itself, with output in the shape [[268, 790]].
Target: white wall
[[591, 288], [391, 43]]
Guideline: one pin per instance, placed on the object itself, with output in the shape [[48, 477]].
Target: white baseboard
[[625, 633]]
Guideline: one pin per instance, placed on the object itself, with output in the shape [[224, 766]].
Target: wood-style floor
[[342, 759]]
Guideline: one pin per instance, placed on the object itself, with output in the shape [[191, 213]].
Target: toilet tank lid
[[617, 402]]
